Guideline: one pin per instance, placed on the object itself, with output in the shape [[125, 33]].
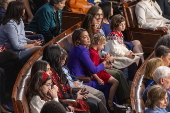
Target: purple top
[[79, 62]]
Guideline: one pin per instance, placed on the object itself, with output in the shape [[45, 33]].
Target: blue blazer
[[148, 110], [165, 7], [14, 35], [80, 63]]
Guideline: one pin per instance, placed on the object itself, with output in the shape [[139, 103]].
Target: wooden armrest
[[84, 79], [70, 101], [72, 14], [30, 33], [148, 31]]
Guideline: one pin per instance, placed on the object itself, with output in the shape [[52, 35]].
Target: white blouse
[[37, 103]]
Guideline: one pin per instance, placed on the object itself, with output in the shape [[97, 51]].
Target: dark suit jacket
[[165, 7]]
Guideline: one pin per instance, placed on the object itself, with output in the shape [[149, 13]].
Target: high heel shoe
[[110, 107]]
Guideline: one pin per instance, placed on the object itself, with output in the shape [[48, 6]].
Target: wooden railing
[[138, 87], [18, 95]]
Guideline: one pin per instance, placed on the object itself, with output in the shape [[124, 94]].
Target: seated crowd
[[99, 51]]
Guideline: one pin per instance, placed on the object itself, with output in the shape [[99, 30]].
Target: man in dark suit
[[165, 7]]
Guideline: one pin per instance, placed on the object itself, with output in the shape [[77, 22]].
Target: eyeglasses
[[98, 14], [49, 84], [97, 25]]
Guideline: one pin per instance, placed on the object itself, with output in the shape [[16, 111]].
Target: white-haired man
[[161, 76]]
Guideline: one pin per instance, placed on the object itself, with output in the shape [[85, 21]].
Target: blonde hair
[[155, 94], [151, 66], [98, 37]]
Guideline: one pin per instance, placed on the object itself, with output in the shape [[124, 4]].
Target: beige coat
[[149, 15]]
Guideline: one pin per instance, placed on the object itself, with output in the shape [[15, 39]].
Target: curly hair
[[155, 94], [164, 40], [98, 37], [115, 21]]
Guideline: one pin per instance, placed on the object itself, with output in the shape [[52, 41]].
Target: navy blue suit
[[165, 7]]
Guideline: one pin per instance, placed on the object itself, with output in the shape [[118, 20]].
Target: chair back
[[129, 14], [147, 37]]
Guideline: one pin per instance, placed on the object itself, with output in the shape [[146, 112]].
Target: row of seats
[[134, 32]]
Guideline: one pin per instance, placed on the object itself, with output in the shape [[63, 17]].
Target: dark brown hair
[[14, 12], [93, 10], [52, 54], [106, 7], [39, 65], [53, 107], [76, 36], [34, 86], [87, 24], [115, 21]]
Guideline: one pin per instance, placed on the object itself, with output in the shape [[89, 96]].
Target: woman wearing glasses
[[92, 23]]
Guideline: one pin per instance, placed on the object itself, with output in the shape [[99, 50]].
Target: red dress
[[95, 57]]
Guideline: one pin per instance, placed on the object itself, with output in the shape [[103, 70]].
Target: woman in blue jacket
[[12, 32]]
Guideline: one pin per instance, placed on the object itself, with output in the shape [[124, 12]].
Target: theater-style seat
[[147, 37]]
